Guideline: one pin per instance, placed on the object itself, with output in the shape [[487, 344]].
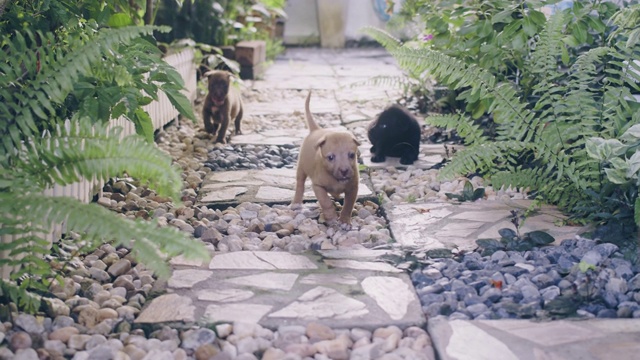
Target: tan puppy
[[222, 104], [328, 158]]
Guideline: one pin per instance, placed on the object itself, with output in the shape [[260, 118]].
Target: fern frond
[[35, 78], [539, 179], [98, 225], [456, 73], [385, 81], [483, 157], [80, 150], [463, 125], [385, 39], [544, 60]]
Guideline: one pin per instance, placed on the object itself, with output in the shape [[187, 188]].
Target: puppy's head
[[339, 154], [218, 82], [392, 121]]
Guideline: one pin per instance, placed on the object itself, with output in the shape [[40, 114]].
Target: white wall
[[302, 26], [360, 13]]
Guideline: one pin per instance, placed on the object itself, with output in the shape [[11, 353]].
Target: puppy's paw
[[378, 158], [295, 206], [238, 132], [405, 161]]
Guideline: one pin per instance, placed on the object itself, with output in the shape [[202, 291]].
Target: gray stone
[[29, 324], [120, 267], [99, 274], [193, 339], [167, 308], [26, 354]]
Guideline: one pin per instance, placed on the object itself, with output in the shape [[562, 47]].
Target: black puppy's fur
[[395, 133]]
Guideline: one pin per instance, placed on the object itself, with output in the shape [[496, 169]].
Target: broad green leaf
[[507, 233], [503, 16], [182, 104], [529, 27], [634, 165], [540, 237], [632, 134], [489, 244], [596, 24], [616, 176], [119, 20], [478, 193], [579, 31], [143, 124], [511, 29], [538, 17]]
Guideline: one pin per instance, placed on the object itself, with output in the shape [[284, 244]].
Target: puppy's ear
[[321, 142], [355, 140]]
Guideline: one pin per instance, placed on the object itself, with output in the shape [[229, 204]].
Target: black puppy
[[395, 133]]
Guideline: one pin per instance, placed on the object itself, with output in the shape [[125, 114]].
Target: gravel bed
[[247, 157], [578, 278], [91, 314], [397, 186]]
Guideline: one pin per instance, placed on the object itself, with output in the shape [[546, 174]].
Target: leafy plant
[[51, 87], [498, 35], [514, 240], [219, 23], [540, 145], [468, 193]]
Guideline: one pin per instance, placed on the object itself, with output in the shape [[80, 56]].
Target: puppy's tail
[[310, 122]]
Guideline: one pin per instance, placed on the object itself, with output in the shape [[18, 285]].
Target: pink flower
[[427, 37]]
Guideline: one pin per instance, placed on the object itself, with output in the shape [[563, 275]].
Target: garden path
[[354, 287]]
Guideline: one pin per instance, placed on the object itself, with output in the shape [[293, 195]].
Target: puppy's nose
[[344, 172]]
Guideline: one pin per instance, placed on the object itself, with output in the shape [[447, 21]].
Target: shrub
[[58, 90], [539, 142]]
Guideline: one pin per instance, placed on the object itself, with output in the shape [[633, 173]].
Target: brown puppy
[[222, 104], [328, 158]]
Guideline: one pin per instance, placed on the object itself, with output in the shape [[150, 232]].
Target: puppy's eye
[[352, 155], [331, 157]]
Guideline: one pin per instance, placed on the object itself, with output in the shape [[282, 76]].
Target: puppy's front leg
[[237, 122], [350, 196], [209, 126], [377, 154], [326, 204], [222, 132], [301, 177]]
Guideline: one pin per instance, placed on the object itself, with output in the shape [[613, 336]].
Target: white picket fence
[[161, 112]]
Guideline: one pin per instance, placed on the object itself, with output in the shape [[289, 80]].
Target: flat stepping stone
[[597, 339], [319, 105], [261, 186], [430, 155], [271, 288], [447, 225]]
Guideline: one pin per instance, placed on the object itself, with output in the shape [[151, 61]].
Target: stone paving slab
[[262, 186], [449, 225], [339, 289], [291, 106], [430, 155], [597, 339]]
